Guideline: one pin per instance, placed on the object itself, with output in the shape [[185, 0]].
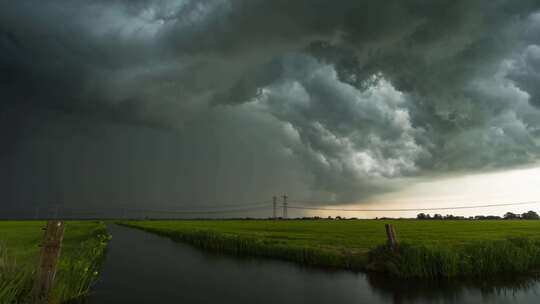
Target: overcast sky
[[182, 104]]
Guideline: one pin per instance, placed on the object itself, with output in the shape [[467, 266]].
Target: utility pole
[[274, 205], [284, 206]]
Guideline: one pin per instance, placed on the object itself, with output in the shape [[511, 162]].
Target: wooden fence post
[[391, 236], [50, 252]]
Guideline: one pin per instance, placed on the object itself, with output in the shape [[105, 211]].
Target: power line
[[413, 209], [230, 205], [201, 211], [124, 207], [67, 206], [261, 206], [210, 205], [96, 210]]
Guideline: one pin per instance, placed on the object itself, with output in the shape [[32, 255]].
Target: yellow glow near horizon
[[519, 185]]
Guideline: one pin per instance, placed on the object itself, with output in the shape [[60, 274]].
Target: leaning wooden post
[[391, 236], [50, 252]]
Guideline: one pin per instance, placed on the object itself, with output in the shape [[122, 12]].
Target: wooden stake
[[391, 236], [50, 252]]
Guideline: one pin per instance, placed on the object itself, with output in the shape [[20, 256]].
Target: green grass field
[[348, 243], [83, 248]]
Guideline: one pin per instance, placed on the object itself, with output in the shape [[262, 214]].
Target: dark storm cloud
[[347, 97]]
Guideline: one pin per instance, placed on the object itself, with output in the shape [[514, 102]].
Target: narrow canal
[[145, 268]]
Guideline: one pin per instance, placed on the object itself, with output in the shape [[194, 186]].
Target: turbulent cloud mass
[[181, 102]]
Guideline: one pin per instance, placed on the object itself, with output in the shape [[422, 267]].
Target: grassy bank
[[82, 251], [429, 248], [477, 259]]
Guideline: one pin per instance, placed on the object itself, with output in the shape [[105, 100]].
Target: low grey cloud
[[236, 100]]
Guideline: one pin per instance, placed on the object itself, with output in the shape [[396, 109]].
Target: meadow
[[428, 248], [83, 249]]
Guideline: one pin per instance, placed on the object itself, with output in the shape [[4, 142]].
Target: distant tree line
[[529, 215], [326, 218]]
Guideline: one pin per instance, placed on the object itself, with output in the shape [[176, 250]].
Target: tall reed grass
[[478, 259], [252, 246], [78, 269], [475, 259], [79, 272], [15, 281]]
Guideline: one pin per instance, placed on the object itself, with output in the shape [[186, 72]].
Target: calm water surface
[[145, 268]]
